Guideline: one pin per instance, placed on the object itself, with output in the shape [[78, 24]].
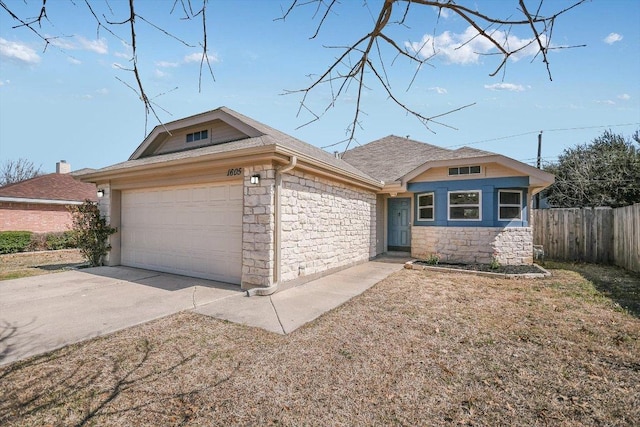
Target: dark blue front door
[[399, 225]]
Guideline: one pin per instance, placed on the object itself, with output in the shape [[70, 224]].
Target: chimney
[[63, 167]]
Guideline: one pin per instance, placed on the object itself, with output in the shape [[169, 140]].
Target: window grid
[[509, 208], [197, 136], [467, 209], [464, 170], [426, 207]]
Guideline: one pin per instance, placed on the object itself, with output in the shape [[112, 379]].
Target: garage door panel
[[192, 231]]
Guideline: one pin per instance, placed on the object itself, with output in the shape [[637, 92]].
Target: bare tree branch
[[365, 58]]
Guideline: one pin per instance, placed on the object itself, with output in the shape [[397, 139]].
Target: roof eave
[[311, 163], [40, 201]]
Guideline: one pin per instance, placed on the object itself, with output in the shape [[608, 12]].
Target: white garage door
[[194, 231]]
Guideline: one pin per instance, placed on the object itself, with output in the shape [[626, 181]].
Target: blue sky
[[67, 102]]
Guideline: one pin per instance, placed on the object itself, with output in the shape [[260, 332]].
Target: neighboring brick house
[[41, 204], [221, 196]]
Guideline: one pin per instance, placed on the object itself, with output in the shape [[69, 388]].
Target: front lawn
[[419, 348]]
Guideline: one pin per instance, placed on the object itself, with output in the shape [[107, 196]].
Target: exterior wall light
[[255, 179], [100, 193]]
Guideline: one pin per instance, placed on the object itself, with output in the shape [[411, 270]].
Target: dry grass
[[14, 266], [420, 348]]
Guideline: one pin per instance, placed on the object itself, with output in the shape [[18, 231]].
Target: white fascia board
[[39, 201]]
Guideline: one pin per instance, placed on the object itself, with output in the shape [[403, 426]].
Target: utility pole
[[538, 165]]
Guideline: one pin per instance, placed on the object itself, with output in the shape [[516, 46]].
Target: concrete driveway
[[42, 313]]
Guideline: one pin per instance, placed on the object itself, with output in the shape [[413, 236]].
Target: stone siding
[[258, 225], [325, 225], [510, 246]]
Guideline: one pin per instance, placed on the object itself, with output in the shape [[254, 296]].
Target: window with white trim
[[197, 136], [464, 170], [465, 205], [509, 205], [425, 207]]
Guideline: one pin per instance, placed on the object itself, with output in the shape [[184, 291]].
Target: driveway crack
[[277, 315]]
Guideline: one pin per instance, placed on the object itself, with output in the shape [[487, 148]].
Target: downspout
[[293, 160]]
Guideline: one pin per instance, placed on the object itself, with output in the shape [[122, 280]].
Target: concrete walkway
[[285, 311], [42, 313]]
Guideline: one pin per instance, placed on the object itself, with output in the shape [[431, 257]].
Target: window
[[197, 136], [464, 170], [509, 205], [465, 206], [425, 207]]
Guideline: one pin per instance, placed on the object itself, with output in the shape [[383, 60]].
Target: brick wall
[[36, 217], [325, 225], [510, 246]]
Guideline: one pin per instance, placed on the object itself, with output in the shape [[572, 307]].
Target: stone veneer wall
[[325, 225], [510, 246], [258, 225]]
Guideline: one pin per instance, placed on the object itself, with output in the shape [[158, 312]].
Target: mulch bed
[[502, 269]]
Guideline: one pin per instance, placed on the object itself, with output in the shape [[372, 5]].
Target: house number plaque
[[234, 172]]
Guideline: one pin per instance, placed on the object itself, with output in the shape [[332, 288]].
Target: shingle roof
[[53, 186], [269, 137], [390, 158]]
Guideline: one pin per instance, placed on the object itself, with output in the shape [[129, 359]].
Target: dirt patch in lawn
[[24, 264], [419, 348]]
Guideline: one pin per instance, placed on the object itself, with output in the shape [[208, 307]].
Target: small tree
[[12, 171], [91, 232], [605, 172]]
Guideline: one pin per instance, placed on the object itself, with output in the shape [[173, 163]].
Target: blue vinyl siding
[[489, 188]]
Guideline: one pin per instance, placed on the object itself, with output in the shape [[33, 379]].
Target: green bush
[[64, 240], [14, 241], [91, 232]]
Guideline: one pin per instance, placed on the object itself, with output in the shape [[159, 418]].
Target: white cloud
[[624, 96], [103, 91], [160, 74], [197, 57], [4, 82], [444, 13], [74, 61], [81, 43], [505, 86], [194, 57], [612, 38], [97, 46], [606, 102], [18, 52], [438, 90], [468, 47], [167, 64]]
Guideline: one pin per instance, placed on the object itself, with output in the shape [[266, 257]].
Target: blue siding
[[489, 188]]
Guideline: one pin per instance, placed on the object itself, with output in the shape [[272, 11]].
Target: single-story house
[[41, 204], [221, 196]]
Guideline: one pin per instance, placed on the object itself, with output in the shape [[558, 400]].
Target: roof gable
[[209, 128], [394, 159], [153, 151], [390, 158], [53, 186]]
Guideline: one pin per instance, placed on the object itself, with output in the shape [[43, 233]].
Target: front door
[[399, 225]]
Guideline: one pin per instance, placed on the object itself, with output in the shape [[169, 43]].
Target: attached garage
[[188, 230]]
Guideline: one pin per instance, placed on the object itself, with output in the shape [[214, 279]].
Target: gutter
[[293, 161], [40, 201]]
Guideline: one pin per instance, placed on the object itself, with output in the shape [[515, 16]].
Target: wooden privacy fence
[[598, 235]]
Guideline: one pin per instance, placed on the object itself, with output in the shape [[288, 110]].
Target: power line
[[538, 131]]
